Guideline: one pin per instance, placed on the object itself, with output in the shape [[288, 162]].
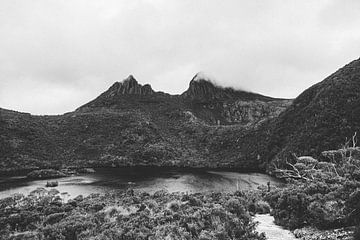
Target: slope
[[321, 118]]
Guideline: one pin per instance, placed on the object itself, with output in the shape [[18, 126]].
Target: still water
[[144, 179]]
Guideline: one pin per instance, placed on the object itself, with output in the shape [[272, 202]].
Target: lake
[[144, 179]]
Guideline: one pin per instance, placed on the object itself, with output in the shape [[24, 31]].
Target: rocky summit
[[202, 89], [130, 124], [129, 86]]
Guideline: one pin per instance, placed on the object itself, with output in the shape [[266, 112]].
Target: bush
[[54, 218], [262, 207], [357, 233], [174, 206], [134, 216], [234, 206]]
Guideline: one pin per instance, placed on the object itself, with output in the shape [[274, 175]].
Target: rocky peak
[[202, 88], [129, 86]]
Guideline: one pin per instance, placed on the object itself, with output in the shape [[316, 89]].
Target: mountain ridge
[[130, 124], [207, 126], [207, 101], [199, 89]]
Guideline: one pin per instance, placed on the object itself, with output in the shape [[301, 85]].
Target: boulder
[[52, 184]]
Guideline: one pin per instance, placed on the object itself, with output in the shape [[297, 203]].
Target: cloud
[[57, 55]]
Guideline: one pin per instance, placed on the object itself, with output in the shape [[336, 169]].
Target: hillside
[[131, 124], [321, 118]]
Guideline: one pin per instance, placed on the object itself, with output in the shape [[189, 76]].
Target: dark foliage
[[128, 215], [327, 196]]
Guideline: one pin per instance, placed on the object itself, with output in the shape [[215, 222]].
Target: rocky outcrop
[[129, 86], [204, 90], [225, 106], [52, 184], [253, 112]]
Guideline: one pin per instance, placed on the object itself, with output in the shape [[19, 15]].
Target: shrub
[[233, 205], [174, 206], [159, 216], [262, 207], [357, 233], [54, 218]]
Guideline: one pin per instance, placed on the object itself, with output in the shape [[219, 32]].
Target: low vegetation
[[130, 215], [321, 194]]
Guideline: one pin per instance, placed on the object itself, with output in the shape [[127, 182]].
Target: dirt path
[[272, 231]]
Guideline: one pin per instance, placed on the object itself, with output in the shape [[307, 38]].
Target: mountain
[[320, 119], [129, 87], [218, 105], [206, 126], [202, 89], [131, 124]]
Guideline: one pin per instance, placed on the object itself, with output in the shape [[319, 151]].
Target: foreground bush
[[128, 215], [323, 194], [324, 206]]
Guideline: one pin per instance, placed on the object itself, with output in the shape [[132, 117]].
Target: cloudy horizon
[[58, 55]]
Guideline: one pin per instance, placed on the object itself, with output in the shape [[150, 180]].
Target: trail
[[271, 230]]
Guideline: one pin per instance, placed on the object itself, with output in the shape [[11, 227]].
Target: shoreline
[[25, 171]]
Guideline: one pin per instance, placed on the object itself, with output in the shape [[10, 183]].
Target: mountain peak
[[199, 89], [129, 86], [201, 76], [203, 88], [130, 78]]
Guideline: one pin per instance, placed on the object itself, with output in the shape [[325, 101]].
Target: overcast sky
[[56, 55]]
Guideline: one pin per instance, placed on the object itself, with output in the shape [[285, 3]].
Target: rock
[[39, 192], [203, 89], [52, 183], [53, 192], [79, 198], [129, 86]]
